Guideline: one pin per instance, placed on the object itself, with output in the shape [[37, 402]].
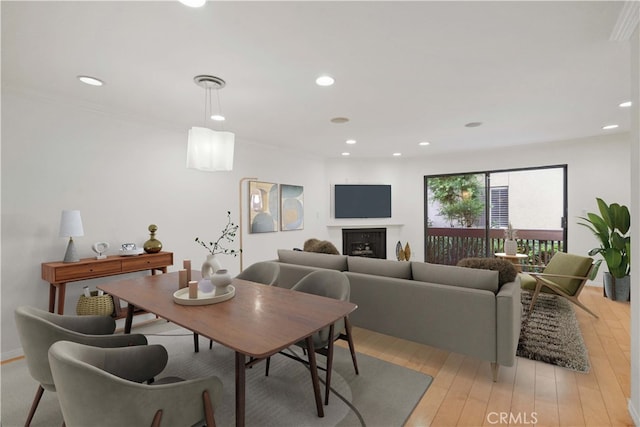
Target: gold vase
[[152, 245]]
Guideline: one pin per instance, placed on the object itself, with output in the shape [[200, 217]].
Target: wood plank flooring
[[463, 394]]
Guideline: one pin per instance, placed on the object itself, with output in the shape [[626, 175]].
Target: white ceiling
[[405, 71]]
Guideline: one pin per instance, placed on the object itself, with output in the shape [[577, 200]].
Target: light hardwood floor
[[529, 393]]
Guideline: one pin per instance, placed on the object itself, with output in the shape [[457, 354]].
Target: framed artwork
[[263, 207], [291, 207]]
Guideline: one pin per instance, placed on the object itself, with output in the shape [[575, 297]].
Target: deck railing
[[450, 245]]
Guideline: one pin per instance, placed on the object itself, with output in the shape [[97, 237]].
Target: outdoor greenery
[[611, 227], [460, 198]]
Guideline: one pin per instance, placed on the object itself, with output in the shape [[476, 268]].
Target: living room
[[125, 171]]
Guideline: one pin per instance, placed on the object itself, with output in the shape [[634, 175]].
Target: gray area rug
[[552, 333], [382, 395]]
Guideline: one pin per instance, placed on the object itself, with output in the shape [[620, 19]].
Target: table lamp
[[71, 226]]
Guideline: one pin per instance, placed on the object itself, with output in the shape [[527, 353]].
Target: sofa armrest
[[508, 322]]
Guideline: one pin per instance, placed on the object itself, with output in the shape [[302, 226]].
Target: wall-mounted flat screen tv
[[362, 201]]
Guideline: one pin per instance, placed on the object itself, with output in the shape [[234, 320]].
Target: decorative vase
[[221, 280], [152, 245], [210, 266], [510, 247]]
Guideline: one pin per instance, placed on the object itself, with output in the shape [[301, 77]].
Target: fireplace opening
[[365, 242]]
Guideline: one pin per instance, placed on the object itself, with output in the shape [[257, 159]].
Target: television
[[362, 201]]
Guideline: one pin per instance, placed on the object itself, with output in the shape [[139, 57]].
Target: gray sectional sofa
[[459, 309]]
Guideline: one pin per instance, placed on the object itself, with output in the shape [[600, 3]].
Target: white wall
[[122, 176]]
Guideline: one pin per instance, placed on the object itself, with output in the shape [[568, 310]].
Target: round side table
[[515, 259]]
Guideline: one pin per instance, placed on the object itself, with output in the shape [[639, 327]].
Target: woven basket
[[95, 305]]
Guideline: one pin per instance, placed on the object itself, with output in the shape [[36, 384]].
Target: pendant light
[[207, 149]]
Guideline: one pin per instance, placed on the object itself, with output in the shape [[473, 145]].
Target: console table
[[58, 273]]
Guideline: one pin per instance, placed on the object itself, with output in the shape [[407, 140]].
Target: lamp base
[[71, 255]]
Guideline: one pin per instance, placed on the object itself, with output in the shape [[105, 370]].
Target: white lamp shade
[[71, 224], [209, 150]]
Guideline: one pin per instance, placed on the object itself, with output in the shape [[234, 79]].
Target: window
[[499, 207]]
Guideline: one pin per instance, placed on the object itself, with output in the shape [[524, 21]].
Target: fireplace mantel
[[363, 225]]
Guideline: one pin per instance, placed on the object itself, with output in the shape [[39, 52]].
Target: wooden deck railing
[[450, 245]]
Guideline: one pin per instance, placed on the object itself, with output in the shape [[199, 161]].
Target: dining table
[[257, 322]]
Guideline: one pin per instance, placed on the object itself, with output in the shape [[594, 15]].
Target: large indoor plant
[[611, 227]]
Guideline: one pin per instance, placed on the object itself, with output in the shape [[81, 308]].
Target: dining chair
[[565, 275], [105, 386], [265, 272], [330, 284], [39, 329]]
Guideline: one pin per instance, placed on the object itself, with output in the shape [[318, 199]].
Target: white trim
[[635, 416]]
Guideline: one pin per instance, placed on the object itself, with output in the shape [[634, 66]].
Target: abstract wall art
[[263, 207], [292, 207]]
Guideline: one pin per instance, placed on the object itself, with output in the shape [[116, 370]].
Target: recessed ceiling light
[[193, 3], [609, 127], [325, 80], [625, 104], [218, 118], [90, 80], [339, 120], [350, 141], [346, 154], [473, 124], [424, 143], [397, 154]]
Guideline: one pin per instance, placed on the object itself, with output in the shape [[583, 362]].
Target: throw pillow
[[506, 270], [320, 246]]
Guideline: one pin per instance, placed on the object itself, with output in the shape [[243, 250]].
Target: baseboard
[[635, 414], [12, 354]]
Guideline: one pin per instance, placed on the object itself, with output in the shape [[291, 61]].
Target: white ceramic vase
[[510, 247], [210, 266], [221, 280]]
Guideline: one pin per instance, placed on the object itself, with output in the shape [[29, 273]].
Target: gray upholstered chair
[[39, 329], [330, 284], [265, 272], [565, 275], [104, 386]]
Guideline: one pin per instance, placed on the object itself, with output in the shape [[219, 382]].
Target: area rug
[[552, 334], [382, 395]]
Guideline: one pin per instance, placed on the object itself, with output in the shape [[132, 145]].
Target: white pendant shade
[[209, 150]]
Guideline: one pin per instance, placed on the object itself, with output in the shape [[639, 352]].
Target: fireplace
[[365, 242]]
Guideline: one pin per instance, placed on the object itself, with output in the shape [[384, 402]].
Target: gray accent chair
[[103, 386], [330, 284], [39, 329], [265, 272]]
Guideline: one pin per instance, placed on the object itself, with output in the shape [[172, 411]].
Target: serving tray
[[204, 298]]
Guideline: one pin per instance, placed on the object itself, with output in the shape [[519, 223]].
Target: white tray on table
[[182, 297]]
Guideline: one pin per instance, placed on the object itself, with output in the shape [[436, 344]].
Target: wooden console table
[[58, 273]]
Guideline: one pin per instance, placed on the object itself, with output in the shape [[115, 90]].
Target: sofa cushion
[[455, 276], [506, 270], [312, 259], [379, 267]]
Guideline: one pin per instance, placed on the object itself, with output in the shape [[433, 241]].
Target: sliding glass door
[[466, 214]]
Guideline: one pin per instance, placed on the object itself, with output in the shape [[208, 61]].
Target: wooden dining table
[[257, 322]]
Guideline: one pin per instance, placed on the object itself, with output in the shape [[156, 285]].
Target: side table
[[515, 259], [59, 273]]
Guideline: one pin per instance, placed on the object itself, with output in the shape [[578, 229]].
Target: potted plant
[[228, 235], [611, 227], [510, 243]]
